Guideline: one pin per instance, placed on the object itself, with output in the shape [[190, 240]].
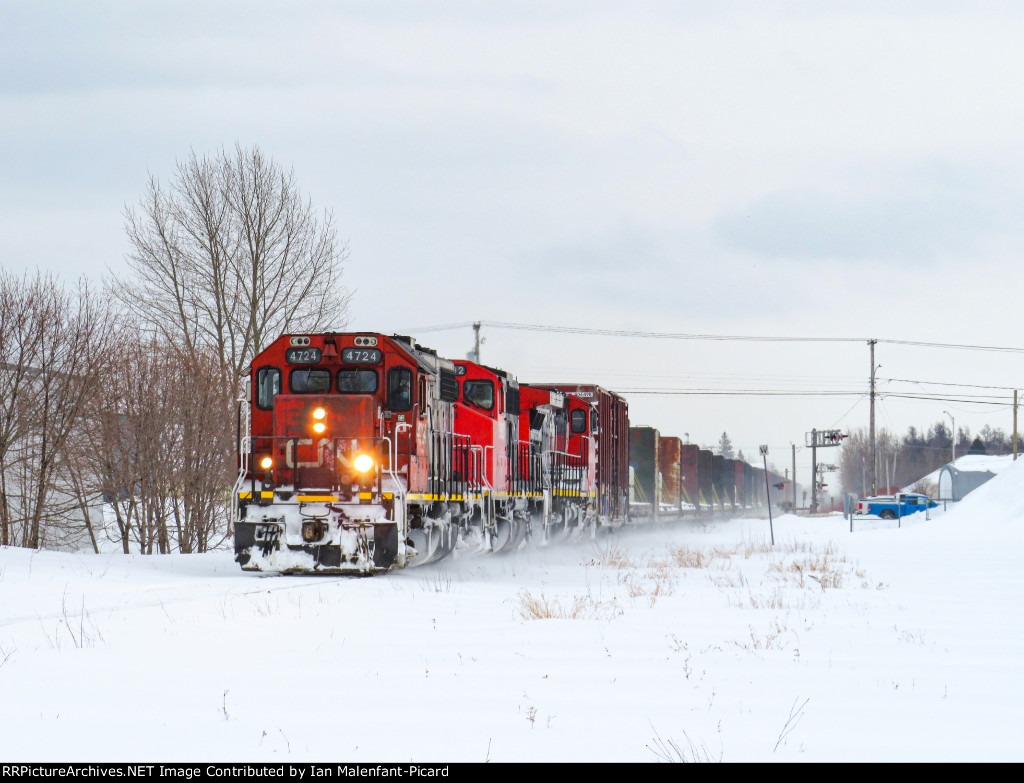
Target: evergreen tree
[[725, 446]]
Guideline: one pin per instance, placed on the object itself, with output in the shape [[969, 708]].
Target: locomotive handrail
[[244, 441], [448, 447], [400, 490], [477, 450], [485, 463], [567, 469], [487, 489]]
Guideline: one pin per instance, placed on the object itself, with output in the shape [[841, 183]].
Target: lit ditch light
[[363, 463]]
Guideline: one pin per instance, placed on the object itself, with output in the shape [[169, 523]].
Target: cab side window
[[578, 421], [268, 386], [480, 393], [400, 388]]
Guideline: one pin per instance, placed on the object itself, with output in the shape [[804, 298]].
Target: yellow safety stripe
[[477, 496], [312, 498], [567, 493]]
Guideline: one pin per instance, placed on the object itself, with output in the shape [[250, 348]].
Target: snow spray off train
[[362, 452]]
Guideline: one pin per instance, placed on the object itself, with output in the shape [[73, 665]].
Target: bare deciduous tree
[[55, 348], [229, 256], [19, 339], [162, 447]]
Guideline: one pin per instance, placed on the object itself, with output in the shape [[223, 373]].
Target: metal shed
[[959, 478]]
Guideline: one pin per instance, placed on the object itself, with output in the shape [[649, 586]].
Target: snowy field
[[693, 642]]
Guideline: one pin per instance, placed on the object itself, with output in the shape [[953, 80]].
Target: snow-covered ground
[[698, 641]]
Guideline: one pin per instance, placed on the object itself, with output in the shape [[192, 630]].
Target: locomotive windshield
[[480, 393], [309, 381], [357, 381]]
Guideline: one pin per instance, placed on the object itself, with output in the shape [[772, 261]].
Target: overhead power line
[[698, 336], [743, 392], [943, 383], [944, 399]]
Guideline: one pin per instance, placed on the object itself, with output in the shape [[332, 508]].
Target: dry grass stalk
[[583, 607]]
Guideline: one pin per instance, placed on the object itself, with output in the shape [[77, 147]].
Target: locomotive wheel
[[474, 540], [554, 530], [425, 541], [572, 520], [504, 534], [446, 541], [522, 531]]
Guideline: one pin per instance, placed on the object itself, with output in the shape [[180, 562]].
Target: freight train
[[362, 452]]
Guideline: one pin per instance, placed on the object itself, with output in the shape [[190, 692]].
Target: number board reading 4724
[[303, 356]]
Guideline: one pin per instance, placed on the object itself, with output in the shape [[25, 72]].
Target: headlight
[[363, 463], [319, 413], [267, 463], [319, 427]]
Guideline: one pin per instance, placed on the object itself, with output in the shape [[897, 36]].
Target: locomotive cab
[[487, 412]]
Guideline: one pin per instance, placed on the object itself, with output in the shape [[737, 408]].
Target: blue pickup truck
[[893, 506]]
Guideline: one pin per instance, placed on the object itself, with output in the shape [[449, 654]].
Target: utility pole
[[794, 476], [814, 472], [871, 421], [476, 342], [1015, 424], [952, 423]]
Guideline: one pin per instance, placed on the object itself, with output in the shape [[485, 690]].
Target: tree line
[[119, 403], [904, 461]]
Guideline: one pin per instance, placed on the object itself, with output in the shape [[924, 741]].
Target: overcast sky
[[839, 169]]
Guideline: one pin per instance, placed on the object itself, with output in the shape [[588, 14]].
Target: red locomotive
[[363, 452]]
